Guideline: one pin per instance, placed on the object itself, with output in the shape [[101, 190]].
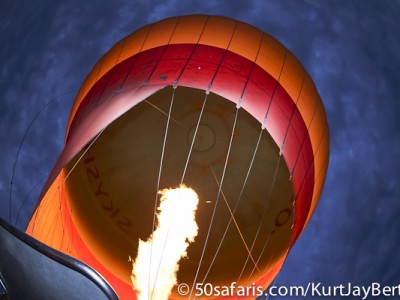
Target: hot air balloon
[[207, 101]]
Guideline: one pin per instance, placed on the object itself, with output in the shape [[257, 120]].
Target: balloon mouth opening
[[112, 188]]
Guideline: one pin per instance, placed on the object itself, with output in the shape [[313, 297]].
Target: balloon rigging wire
[[236, 206], [276, 169], [164, 113], [265, 247], [292, 113], [266, 204], [22, 142], [158, 181], [294, 207], [175, 84], [270, 194], [194, 137], [246, 178], [73, 168], [216, 201], [98, 135], [305, 137], [269, 259], [232, 217], [237, 110], [27, 197], [97, 75], [62, 183]]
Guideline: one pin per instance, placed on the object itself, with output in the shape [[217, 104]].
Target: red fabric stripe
[[228, 72], [198, 66]]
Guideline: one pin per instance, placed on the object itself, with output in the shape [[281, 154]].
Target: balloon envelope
[[206, 100]]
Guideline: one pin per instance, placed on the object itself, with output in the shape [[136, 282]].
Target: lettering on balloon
[[107, 204], [283, 216]]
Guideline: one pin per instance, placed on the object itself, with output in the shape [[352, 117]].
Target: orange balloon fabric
[[260, 114]]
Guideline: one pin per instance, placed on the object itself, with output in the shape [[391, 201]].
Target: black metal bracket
[[31, 270]]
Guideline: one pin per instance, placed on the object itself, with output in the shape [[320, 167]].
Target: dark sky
[[350, 48]]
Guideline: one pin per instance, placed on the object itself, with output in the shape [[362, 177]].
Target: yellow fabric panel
[[319, 135], [274, 270], [317, 130], [320, 155], [109, 61], [246, 41], [37, 224], [134, 43], [160, 33], [321, 159], [319, 181], [308, 101], [292, 77], [218, 32], [312, 111], [48, 223], [189, 29], [271, 56]]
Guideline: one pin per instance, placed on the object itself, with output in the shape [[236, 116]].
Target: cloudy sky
[[350, 48]]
